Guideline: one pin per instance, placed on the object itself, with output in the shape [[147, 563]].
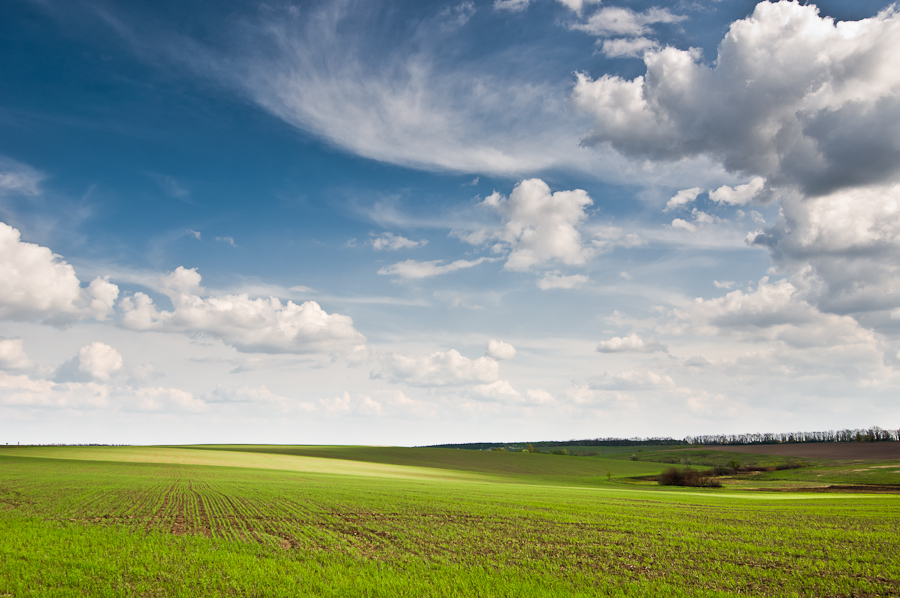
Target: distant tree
[[529, 448]]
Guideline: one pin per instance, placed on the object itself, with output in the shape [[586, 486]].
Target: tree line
[[873, 434]]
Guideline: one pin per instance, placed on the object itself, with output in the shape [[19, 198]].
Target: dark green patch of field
[[73, 527]]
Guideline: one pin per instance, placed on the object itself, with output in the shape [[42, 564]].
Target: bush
[[688, 477], [792, 465], [559, 452]]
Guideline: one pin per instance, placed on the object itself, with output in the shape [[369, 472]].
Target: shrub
[[792, 465], [688, 477]]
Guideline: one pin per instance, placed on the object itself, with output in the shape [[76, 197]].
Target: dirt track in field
[[821, 450]]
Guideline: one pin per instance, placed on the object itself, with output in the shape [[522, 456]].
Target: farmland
[[366, 521]]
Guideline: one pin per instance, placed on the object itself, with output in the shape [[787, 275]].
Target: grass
[[222, 521]]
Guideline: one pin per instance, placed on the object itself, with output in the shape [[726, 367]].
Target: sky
[[419, 222]]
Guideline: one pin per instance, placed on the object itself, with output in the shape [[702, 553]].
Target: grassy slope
[[395, 462], [76, 527]]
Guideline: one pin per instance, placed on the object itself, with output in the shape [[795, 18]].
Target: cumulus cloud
[[12, 354], [621, 21], [417, 269], [819, 136], [394, 242], [500, 350], [764, 108], [24, 391], [96, 362], [442, 368], [555, 280], [630, 344], [841, 247], [577, 5], [91, 391], [739, 195], [682, 198], [263, 325], [538, 227], [36, 284], [99, 360], [773, 311]]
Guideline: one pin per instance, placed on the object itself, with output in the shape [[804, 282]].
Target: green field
[[381, 521]]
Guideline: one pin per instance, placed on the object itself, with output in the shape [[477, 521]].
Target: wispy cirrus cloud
[[413, 269]]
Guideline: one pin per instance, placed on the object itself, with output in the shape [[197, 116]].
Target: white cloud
[[765, 108], [683, 197], [630, 344], [160, 398], [539, 226], [23, 390], [18, 179], [821, 137], [620, 21], [555, 280], [631, 379], [263, 325], [539, 396], [99, 360], [739, 195], [346, 404], [28, 391], [227, 240], [610, 237], [394, 242], [417, 269], [841, 247], [582, 395], [172, 187], [577, 5], [774, 311], [500, 350], [329, 72], [36, 284], [441, 368], [499, 390], [624, 47], [683, 225], [511, 5], [723, 284], [460, 14], [254, 395], [12, 354]]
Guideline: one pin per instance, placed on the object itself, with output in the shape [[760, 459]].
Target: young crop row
[[820, 547]]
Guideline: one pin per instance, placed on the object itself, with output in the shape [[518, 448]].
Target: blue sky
[[425, 222]]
